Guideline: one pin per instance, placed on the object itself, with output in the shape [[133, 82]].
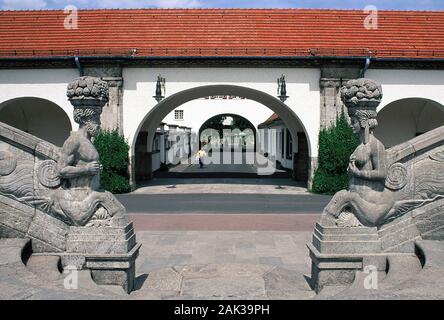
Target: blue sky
[[338, 4]]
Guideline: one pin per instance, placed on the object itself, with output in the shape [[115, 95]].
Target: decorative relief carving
[[396, 177], [73, 181], [88, 91], [48, 174], [113, 81], [330, 83], [8, 163]]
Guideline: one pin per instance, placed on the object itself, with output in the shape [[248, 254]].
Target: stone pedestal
[[109, 252], [337, 253], [107, 269]]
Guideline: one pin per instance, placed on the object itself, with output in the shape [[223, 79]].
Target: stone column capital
[[330, 83], [113, 81]]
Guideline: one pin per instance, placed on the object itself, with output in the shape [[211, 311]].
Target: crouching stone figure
[[80, 198]]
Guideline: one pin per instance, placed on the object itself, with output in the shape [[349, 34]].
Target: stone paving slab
[[228, 222], [266, 248], [229, 186], [190, 265]]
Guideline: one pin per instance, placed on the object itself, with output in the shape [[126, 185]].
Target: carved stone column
[[112, 114], [332, 79], [330, 104]]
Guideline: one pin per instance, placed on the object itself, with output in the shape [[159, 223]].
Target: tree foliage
[[113, 150], [336, 144]]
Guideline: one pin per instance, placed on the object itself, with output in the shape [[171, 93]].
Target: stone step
[[13, 251], [401, 268], [364, 283], [433, 253], [46, 267], [340, 231]]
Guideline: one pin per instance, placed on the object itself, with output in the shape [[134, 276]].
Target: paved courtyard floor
[[218, 255], [225, 264], [217, 265], [222, 186]]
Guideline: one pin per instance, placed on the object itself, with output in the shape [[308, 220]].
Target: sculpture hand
[[93, 168], [353, 169]]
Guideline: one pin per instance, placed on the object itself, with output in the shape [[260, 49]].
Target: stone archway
[[248, 125], [154, 117], [37, 116], [407, 118]]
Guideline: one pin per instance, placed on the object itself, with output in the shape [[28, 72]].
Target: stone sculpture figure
[[71, 184], [52, 195], [367, 201], [381, 187], [79, 167], [395, 197]]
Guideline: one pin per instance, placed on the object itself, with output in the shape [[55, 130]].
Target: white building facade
[[33, 98]]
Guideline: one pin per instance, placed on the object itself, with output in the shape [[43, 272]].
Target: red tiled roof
[[273, 118], [223, 32]]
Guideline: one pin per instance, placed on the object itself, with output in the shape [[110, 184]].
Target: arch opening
[[37, 116], [404, 119], [231, 122], [157, 114]]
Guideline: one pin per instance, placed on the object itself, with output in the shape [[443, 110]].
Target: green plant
[[336, 144], [113, 150]]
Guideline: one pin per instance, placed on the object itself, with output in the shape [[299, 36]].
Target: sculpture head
[[362, 97], [88, 95], [88, 118], [364, 121]]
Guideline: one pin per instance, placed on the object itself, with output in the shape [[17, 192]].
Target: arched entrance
[[407, 118], [39, 117], [154, 117], [237, 122]]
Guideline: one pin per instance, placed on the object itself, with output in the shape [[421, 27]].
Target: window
[[156, 143], [289, 145], [281, 134], [178, 114]]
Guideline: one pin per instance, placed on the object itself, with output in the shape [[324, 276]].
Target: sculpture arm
[[66, 168], [378, 159], [371, 174]]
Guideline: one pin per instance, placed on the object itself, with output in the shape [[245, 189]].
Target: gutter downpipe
[[79, 66], [366, 66]]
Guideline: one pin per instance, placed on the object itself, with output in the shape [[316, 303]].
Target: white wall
[[302, 87], [401, 84], [268, 135], [39, 117], [140, 83], [400, 121], [196, 112], [156, 161], [404, 119], [49, 84]]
